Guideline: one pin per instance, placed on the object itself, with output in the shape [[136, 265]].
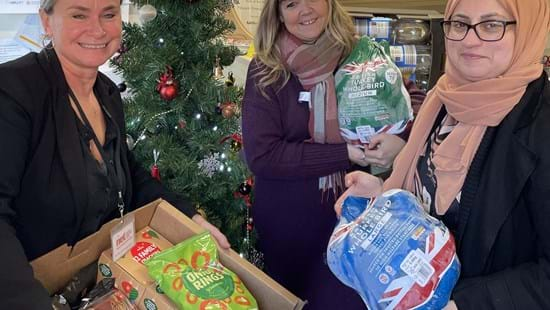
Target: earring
[[47, 41]]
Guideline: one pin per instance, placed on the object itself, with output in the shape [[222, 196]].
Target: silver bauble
[[147, 13]]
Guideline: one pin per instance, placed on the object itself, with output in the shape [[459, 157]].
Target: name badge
[[123, 236], [304, 97]]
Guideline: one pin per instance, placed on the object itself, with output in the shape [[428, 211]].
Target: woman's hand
[[216, 233], [359, 184], [382, 149], [357, 155], [450, 306]]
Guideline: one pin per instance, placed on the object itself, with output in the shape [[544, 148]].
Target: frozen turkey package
[[393, 253], [371, 94]]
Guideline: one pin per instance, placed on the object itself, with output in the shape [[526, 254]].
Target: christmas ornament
[[122, 87], [155, 172], [228, 111], [236, 141], [147, 13], [130, 142], [167, 87], [244, 188], [209, 165], [182, 124], [230, 80], [236, 146], [218, 69], [256, 258], [243, 191]]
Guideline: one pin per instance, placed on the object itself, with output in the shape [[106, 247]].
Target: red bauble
[[168, 92], [155, 172], [167, 87], [182, 124]]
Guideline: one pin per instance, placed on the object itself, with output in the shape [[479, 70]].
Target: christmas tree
[[182, 115]]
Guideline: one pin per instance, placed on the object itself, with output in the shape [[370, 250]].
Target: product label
[[417, 267], [105, 270], [142, 251], [208, 284], [149, 304], [123, 236]]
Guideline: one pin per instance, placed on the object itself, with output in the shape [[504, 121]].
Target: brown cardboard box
[[57, 267]]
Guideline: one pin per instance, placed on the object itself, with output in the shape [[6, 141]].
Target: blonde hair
[[47, 5], [339, 26]]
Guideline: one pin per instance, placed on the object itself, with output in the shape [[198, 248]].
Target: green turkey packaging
[[191, 274], [371, 95]]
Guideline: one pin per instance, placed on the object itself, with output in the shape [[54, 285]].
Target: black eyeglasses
[[489, 30]]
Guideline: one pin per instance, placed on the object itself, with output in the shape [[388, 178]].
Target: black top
[[44, 181], [425, 191], [102, 201]]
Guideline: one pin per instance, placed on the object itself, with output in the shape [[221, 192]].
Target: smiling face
[[305, 19], [85, 33], [474, 59]]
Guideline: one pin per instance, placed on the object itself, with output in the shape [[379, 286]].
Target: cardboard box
[[56, 268]]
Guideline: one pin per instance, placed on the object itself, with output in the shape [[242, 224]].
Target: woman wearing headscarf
[[298, 170], [478, 156]]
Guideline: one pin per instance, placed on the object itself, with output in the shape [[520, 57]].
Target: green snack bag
[[191, 275], [371, 95]]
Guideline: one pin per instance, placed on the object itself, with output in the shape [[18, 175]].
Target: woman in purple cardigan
[[299, 45]]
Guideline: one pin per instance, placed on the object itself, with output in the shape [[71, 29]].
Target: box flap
[[55, 268]]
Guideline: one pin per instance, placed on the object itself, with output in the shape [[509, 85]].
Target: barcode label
[[417, 267], [365, 133]]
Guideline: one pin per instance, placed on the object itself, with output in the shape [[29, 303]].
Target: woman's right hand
[[357, 155], [359, 184]]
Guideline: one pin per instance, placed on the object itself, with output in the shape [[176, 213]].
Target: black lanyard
[[110, 168]]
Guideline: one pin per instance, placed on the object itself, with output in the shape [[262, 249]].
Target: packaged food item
[[393, 253], [371, 94], [112, 300], [131, 275], [377, 28], [412, 58], [410, 31], [191, 274], [148, 244]]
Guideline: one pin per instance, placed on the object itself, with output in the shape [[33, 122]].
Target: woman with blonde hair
[[478, 156], [68, 169], [293, 146]]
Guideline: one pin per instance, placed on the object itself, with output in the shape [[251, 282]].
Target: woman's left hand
[[216, 233], [382, 149], [450, 306]]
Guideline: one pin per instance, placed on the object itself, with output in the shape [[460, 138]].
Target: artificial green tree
[[177, 108]]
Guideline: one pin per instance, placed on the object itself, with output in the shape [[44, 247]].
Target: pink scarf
[[314, 65]]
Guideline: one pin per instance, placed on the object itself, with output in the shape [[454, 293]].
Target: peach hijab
[[475, 105]]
